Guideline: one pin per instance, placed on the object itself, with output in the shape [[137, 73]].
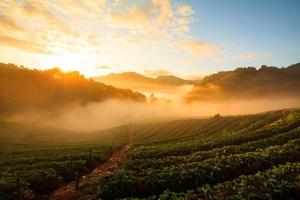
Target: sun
[[82, 63], [67, 62]]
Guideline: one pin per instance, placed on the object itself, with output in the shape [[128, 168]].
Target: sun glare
[[73, 62]]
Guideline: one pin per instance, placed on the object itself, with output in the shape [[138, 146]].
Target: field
[[220, 157], [44, 158], [227, 159]]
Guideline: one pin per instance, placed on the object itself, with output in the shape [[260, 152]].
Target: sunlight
[[66, 62], [74, 62]]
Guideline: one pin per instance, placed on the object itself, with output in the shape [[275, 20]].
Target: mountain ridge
[[142, 83], [23, 89], [245, 83]]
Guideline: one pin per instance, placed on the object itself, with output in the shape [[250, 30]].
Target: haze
[[165, 56]]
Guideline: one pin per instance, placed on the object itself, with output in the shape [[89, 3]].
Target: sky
[[187, 38]]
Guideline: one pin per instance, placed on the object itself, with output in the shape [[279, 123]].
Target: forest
[[24, 89]]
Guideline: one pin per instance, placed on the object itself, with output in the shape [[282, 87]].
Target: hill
[[194, 152], [248, 83], [142, 83], [24, 89], [173, 80], [15, 132], [238, 157]]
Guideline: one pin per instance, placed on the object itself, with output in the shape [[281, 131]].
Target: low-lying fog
[[96, 116]]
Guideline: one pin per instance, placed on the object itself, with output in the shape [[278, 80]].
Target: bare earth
[[88, 184]]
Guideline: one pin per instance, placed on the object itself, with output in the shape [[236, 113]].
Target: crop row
[[188, 176], [44, 171], [282, 182], [187, 147], [138, 164]]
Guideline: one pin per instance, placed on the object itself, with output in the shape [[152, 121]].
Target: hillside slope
[[24, 89], [19, 133], [252, 157], [248, 83], [169, 130], [179, 154]]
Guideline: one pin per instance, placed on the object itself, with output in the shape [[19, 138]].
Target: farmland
[[218, 157], [44, 158], [225, 160]]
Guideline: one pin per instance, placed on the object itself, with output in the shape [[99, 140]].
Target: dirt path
[[88, 184]]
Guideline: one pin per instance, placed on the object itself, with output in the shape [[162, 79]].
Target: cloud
[[183, 21], [93, 39], [158, 22], [36, 11], [197, 48], [250, 56], [119, 3], [36, 28], [185, 10], [87, 9], [164, 11], [9, 23], [89, 26], [22, 44], [145, 21], [132, 18], [155, 73], [103, 67]]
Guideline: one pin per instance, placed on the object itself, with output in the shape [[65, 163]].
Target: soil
[[88, 184]]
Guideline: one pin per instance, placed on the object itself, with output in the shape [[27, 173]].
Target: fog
[[97, 116]]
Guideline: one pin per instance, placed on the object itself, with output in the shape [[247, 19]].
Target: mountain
[[142, 83], [174, 80], [24, 89], [248, 83]]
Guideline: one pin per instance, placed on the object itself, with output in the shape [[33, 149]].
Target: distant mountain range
[[248, 83], [25, 89], [142, 83]]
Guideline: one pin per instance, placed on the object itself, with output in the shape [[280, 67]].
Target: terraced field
[[174, 129], [219, 158]]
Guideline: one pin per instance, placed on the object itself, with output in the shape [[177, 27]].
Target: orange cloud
[[183, 21], [9, 23], [185, 10], [58, 27], [198, 48], [157, 15], [152, 24], [248, 56], [132, 18], [22, 44], [38, 30], [37, 11], [164, 11]]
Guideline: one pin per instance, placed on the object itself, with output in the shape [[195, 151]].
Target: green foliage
[[198, 156], [282, 182], [114, 184], [219, 137], [44, 169], [216, 169], [228, 163]]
